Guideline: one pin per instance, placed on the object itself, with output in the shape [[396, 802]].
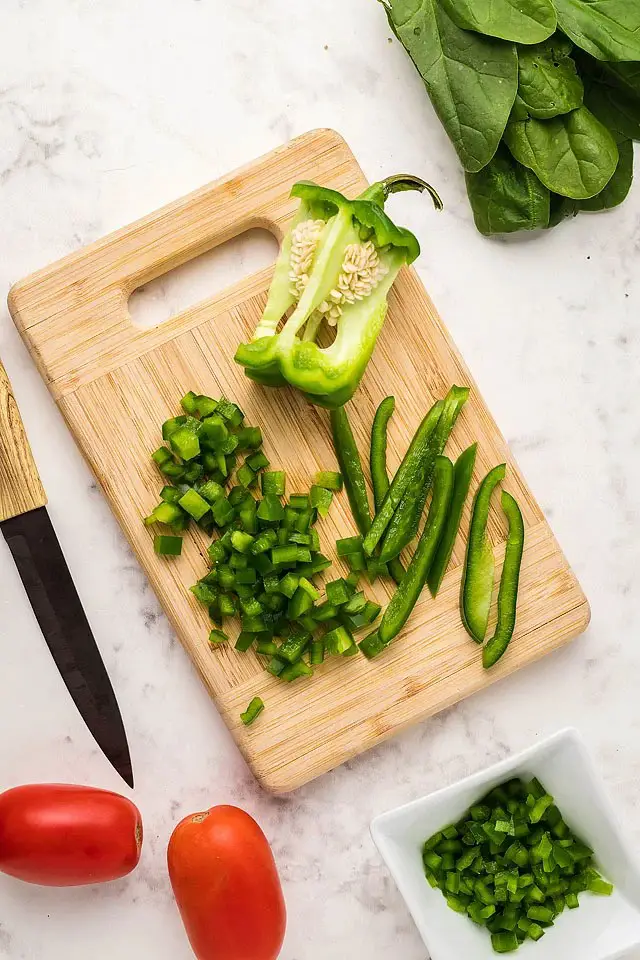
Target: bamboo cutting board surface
[[115, 384]]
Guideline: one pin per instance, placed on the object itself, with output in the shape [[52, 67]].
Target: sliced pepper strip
[[479, 566], [462, 473], [406, 519], [378, 464], [351, 468], [378, 454], [508, 592], [406, 596], [406, 474]]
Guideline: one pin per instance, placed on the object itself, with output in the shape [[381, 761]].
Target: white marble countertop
[[108, 110]]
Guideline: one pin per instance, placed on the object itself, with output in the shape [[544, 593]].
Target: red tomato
[[63, 836], [226, 884]]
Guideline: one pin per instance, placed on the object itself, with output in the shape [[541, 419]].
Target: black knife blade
[[59, 612]]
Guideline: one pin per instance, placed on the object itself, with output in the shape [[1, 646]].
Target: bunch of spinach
[[540, 98]]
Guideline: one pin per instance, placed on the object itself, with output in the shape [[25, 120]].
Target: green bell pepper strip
[[351, 468], [329, 376], [407, 472], [462, 473], [252, 712], [508, 592], [406, 596], [378, 450], [406, 518], [378, 463], [479, 566]]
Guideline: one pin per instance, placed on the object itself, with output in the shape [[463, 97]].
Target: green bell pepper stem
[[479, 566], [378, 463], [406, 596], [252, 712], [398, 183], [407, 472], [406, 519], [462, 473], [508, 592], [351, 468]]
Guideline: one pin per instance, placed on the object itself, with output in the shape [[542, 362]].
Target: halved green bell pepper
[[336, 266]]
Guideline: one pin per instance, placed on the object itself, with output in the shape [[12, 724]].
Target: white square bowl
[[603, 928]]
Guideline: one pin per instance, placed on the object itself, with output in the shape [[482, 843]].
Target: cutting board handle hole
[[202, 278]]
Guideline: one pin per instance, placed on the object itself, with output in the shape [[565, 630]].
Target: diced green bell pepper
[[167, 546]]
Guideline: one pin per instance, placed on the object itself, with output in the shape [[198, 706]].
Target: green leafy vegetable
[[607, 29], [619, 186], [626, 76], [548, 81], [566, 146], [561, 209], [524, 21], [519, 110], [507, 197], [574, 154], [472, 80], [618, 110]]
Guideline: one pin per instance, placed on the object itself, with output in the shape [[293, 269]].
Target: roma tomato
[[226, 885], [63, 836]]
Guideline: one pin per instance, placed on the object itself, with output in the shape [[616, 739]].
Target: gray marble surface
[[108, 110]]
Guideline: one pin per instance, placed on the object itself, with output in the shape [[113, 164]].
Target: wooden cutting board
[[115, 384]]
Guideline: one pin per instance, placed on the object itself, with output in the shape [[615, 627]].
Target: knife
[[26, 527]]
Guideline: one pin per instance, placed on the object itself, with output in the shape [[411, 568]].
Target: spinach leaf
[[561, 208], [617, 110], [622, 76], [519, 111], [574, 155], [618, 187], [607, 29], [471, 79], [506, 197], [626, 76], [613, 94], [524, 21], [548, 81]]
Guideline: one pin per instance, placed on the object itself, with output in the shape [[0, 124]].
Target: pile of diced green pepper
[[512, 864], [267, 551], [263, 568]]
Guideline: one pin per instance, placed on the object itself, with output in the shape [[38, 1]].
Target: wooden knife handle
[[20, 487]]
